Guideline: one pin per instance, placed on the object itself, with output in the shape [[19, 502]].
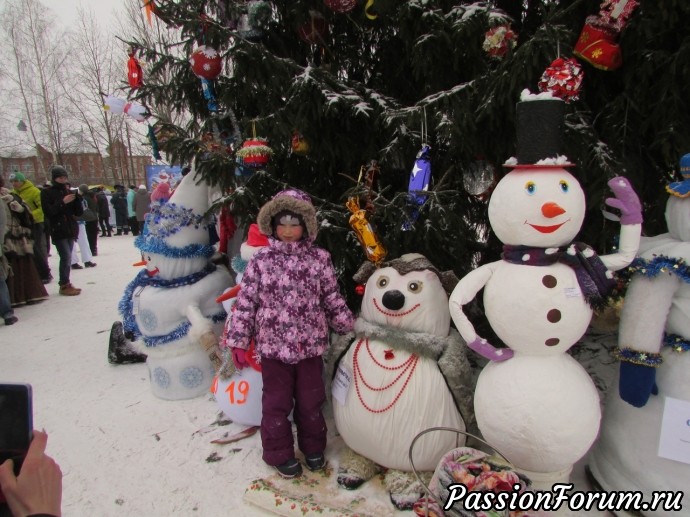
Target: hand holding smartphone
[[16, 423]]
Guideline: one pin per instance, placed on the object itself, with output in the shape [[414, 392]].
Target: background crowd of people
[[35, 218]]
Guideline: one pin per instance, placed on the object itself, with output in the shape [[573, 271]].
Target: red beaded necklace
[[407, 366]]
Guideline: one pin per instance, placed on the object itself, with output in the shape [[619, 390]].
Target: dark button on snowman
[[539, 299]]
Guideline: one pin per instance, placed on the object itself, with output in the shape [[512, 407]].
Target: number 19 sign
[[239, 396]]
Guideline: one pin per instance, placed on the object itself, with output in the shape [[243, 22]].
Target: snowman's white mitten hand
[[625, 200], [487, 350]]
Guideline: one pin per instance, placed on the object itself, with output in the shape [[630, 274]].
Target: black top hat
[[540, 127]]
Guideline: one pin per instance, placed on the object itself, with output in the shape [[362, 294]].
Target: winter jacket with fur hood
[[290, 294]]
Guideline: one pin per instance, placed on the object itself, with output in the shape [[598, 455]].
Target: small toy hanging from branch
[[499, 40], [373, 247], [420, 178], [135, 75], [299, 144], [563, 78], [255, 152], [117, 105], [207, 65], [597, 42]]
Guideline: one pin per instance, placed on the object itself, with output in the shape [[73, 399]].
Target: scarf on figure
[[593, 277]]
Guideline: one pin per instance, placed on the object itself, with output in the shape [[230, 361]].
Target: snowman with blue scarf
[[170, 307], [533, 402], [654, 374]]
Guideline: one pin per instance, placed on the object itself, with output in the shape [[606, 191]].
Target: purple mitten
[[485, 349], [626, 200], [239, 357]]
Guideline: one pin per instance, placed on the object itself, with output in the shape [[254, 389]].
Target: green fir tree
[[379, 81]]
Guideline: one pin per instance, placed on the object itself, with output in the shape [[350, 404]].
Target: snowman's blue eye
[[530, 187], [564, 185]]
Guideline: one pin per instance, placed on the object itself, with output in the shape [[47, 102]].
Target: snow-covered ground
[[123, 451]]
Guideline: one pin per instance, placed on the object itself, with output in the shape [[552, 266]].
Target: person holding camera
[[60, 209], [37, 490]]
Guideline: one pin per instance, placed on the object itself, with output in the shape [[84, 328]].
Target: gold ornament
[[373, 248]]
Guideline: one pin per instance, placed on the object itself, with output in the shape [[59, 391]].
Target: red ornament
[[135, 75], [499, 40], [340, 6], [255, 153], [206, 63], [359, 289], [563, 78], [314, 31]]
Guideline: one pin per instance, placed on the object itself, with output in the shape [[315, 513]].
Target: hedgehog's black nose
[[393, 300]]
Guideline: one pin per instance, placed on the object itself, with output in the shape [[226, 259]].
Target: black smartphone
[[16, 423]]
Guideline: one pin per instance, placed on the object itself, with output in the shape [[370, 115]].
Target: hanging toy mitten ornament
[[563, 78], [597, 42], [135, 76], [155, 151], [499, 40], [373, 248], [420, 178]]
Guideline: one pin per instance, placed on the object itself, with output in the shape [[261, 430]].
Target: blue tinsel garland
[[160, 247], [661, 264], [125, 306], [676, 342]]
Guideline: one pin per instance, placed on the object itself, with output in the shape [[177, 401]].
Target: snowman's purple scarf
[[594, 279]]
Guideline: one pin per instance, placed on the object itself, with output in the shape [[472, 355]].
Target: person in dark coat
[[119, 202], [104, 213], [61, 210]]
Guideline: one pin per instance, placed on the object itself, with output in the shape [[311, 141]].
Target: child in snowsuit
[[289, 298]]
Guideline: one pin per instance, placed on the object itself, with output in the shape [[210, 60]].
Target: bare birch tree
[[36, 71]]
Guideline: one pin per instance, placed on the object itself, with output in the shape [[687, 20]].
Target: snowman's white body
[[539, 408], [545, 415], [181, 368], [626, 455], [385, 438], [172, 319], [380, 425]]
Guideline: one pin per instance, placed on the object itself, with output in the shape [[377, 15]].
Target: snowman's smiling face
[[537, 207], [415, 301]]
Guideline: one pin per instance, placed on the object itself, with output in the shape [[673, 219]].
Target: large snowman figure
[[404, 372], [170, 307], [533, 402], [654, 348]]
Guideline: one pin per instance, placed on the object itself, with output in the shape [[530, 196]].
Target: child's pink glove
[[626, 200], [486, 349], [239, 357]]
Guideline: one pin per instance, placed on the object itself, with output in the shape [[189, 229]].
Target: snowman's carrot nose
[[230, 294], [551, 210], [140, 263]]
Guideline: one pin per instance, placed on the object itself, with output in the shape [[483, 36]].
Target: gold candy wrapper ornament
[[374, 249]]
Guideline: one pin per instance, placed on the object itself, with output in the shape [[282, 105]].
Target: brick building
[[86, 166]]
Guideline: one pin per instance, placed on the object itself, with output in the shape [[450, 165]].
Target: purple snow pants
[[283, 383]]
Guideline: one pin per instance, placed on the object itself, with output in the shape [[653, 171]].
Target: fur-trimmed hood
[[293, 200]]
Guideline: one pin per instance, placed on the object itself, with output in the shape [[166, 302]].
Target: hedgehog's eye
[[415, 286], [382, 281], [564, 186], [530, 187]]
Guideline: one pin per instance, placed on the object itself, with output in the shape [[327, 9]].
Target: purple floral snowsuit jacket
[[289, 297]]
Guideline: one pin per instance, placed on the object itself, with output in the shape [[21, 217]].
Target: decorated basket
[[475, 469]]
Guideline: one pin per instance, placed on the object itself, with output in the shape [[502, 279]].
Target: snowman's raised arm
[[465, 291], [628, 203]]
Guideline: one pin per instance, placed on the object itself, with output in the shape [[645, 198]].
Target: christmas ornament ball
[[206, 63]]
